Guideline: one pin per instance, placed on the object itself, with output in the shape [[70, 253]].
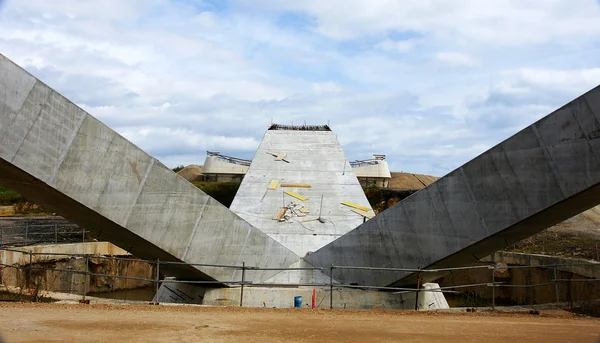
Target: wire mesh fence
[[30, 234], [31, 270]]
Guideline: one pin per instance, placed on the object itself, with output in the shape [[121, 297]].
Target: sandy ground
[[31, 322]]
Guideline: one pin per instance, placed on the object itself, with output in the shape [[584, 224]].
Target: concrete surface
[[54, 153], [343, 298], [544, 174], [315, 158]]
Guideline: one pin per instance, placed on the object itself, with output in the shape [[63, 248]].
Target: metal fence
[[493, 284], [591, 250], [29, 234]]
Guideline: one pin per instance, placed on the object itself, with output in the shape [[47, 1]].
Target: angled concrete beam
[[54, 153], [547, 173]]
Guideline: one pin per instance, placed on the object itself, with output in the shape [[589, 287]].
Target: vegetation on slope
[[9, 197], [223, 192]]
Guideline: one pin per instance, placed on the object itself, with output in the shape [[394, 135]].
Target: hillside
[[408, 181], [191, 173]]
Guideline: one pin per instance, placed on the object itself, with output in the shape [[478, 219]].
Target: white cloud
[[456, 58], [179, 78], [507, 22], [401, 46]]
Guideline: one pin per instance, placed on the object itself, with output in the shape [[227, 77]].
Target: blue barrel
[[298, 301]]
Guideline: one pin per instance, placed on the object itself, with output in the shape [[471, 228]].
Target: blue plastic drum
[[298, 301]]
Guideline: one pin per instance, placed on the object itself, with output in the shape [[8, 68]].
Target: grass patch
[[9, 197]]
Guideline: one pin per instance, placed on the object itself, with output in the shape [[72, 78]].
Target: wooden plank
[[299, 185], [351, 204], [296, 195], [363, 213], [280, 157], [304, 210], [273, 184], [280, 213]]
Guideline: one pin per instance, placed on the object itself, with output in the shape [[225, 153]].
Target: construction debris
[[365, 214], [273, 184], [299, 185], [296, 195], [285, 214], [279, 156], [280, 213], [360, 207]]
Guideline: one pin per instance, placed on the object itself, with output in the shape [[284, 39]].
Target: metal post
[[55, 233], [85, 277], [243, 280], [418, 288], [556, 285], [493, 288], [157, 282], [26, 233], [331, 287], [82, 235], [29, 268]]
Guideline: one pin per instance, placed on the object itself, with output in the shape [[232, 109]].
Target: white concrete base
[[283, 297]]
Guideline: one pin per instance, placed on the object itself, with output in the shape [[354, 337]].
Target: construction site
[[94, 228]]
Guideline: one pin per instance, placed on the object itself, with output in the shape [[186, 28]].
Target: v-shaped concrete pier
[[547, 173], [54, 153]]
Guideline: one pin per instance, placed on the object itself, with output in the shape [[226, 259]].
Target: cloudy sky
[[431, 84]]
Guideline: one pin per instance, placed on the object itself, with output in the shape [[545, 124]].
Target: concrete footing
[[283, 297]]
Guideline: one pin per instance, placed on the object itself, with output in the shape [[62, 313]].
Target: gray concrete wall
[[54, 153], [542, 175]]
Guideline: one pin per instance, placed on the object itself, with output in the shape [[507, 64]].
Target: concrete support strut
[[54, 153], [546, 173]]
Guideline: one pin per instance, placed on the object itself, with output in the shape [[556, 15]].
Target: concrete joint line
[[244, 248], [142, 184], [65, 151], [587, 104], [468, 185], [549, 161], [189, 243], [37, 117]]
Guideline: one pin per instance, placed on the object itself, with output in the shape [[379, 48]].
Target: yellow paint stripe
[[273, 184], [296, 195], [363, 213], [360, 207]]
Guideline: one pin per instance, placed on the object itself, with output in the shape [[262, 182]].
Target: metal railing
[[28, 234], [493, 283], [229, 159], [566, 249]]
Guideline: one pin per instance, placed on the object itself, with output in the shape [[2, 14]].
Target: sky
[[430, 84]]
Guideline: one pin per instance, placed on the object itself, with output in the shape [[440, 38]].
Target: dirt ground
[[31, 322]]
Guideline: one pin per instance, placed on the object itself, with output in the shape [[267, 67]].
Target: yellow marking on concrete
[[273, 184], [296, 195], [360, 207], [304, 210]]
